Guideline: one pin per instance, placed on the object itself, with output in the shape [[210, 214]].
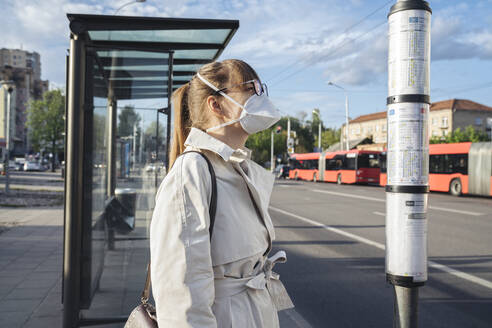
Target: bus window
[[454, 163], [349, 163], [331, 164], [368, 161]]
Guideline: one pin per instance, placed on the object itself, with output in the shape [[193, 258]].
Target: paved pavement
[[334, 238], [31, 258]]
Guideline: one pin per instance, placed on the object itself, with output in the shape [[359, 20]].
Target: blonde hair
[[189, 101]]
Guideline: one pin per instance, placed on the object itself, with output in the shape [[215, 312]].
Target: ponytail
[[182, 122]]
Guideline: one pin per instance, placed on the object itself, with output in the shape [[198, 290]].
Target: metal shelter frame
[[165, 54]]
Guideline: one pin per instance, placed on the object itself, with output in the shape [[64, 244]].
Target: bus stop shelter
[[121, 72]]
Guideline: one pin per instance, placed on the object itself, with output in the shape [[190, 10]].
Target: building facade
[[24, 69], [444, 117], [3, 118]]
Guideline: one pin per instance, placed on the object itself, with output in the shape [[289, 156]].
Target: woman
[[225, 281]]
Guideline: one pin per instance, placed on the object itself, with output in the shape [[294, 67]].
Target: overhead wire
[[345, 31], [331, 53]]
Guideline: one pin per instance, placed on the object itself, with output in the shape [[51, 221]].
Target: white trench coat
[[229, 281]]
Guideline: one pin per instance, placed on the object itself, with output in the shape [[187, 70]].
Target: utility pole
[[141, 142], [346, 120], [271, 154], [319, 130], [407, 187], [134, 155], [10, 89], [346, 116]]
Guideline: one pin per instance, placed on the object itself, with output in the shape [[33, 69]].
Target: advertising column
[[407, 187]]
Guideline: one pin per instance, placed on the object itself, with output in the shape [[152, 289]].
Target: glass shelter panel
[[181, 36]]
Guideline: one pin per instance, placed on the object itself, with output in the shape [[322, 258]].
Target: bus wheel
[[315, 178], [455, 187], [339, 179]]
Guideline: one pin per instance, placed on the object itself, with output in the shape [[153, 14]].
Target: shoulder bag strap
[[212, 209]]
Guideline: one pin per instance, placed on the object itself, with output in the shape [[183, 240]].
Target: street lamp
[[127, 4], [346, 112], [9, 87], [319, 130]]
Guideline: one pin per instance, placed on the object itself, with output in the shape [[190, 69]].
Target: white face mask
[[258, 113]]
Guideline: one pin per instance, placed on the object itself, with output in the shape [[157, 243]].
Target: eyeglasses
[[259, 87]]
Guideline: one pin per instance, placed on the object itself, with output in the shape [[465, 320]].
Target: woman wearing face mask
[[225, 280]]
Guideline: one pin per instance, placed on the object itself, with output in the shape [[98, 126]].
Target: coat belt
[[265, 280]]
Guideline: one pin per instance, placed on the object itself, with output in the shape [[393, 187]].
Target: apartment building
[[24, 69], [444, 117]]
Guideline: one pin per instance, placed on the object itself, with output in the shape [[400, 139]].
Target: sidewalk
[[31, 259]]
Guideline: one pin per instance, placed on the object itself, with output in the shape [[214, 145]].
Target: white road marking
[[379, 213], [432, 264], [436, 208], [454, 211], [332, 229], [348, 195]]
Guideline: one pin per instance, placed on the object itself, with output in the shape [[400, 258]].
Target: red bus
[[353, 166], [458, 168]]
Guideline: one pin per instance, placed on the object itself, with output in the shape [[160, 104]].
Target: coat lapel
[[260, 183]]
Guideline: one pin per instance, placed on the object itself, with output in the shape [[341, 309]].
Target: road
[[46, 180], [334, 238]]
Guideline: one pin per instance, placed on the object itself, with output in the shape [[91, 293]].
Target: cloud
[[286, 35]]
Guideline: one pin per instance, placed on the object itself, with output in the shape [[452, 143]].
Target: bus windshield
[[368, 161]]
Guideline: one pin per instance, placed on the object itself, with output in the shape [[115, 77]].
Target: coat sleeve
[[181, 265]]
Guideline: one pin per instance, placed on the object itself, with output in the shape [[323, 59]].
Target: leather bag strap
[[212, 209]]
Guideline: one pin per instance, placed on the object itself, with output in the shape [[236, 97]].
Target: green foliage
[[470, 134], [46, 122], [149, 136], [127, 119], [306, 131], [329, 137]]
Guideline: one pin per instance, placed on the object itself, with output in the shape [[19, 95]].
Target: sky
[[295, 46]]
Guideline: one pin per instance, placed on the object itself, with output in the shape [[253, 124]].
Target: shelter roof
[[138, 56]]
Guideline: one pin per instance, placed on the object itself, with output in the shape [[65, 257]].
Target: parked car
[[32, 166], [155, 167], [281, 171]]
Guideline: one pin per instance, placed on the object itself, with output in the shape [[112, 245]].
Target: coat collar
[[202, 140]]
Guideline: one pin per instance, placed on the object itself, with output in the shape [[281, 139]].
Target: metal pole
[[407, 186], [346, 121], [73, 183], [156, 148], [290, 142], [113, 107], [271, 154], [134, 144], [112, 126], [7, 141], [169, 105], [127, 4], [141, 141], [319, 136], [405, 307]]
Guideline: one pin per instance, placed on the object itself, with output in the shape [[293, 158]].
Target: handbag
[[144, 315]]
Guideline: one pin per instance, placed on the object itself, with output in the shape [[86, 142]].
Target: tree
[[46, 123], [329, 137], [150, 140], [470, 134], [260, 142], [127, 119]]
